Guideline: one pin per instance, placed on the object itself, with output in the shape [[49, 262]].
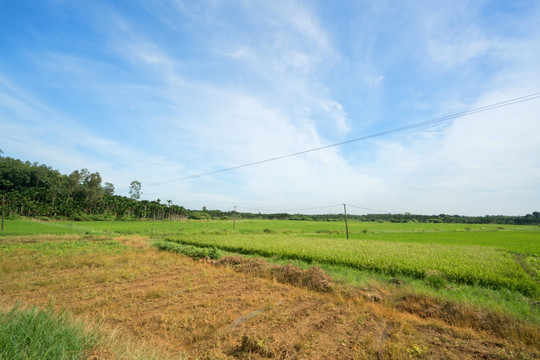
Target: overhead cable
[[382, 133], [289, 210], [365, 208]]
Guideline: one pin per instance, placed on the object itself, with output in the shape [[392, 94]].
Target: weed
[[253, 345], [417, 350], [435, 278]]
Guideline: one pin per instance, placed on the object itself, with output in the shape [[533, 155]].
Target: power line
[[281, 211], [365, 208], [382, 133], [289, 210]]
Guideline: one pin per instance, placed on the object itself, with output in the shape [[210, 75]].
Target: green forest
[[39, 191]]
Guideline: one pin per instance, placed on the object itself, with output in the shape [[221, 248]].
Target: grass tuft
[[189, 250], [43, 334]]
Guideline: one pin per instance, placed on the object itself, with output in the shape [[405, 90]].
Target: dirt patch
[[134, 241], [313, 278], [463, 316]]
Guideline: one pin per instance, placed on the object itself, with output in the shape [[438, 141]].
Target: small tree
[[108, 189], [135, 190], [94, 191]]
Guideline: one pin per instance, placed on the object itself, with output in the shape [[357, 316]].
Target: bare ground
[[196, 309]]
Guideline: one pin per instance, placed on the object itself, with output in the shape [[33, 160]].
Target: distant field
[[515, 238], [492, 256]]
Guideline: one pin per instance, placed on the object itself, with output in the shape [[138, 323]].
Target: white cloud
[[250, 95], [452, 34], [484, 163]]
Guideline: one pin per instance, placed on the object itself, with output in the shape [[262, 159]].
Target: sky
[[163, 91]]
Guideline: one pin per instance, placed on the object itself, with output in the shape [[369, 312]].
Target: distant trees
[[36, 190]]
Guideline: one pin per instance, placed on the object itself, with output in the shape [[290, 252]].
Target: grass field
[[469, 264], [505, 257], [483, 267]]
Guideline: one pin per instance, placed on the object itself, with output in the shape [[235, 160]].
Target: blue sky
[[157, 91]]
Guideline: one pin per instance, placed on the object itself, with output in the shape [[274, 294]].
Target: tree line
[[36, 190], [529, 219]]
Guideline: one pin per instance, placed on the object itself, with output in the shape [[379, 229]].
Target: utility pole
[[3, 205], [346, 225], [234, 220]]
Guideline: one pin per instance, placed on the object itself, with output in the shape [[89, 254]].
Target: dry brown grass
[[460, 315], [166, 305], [314, 278]]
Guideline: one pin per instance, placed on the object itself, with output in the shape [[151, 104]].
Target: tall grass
[[42, 334]]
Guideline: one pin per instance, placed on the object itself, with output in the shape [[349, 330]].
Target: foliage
[[35, 190]]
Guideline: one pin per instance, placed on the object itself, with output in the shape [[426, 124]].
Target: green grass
[[189, 250], [42, 334], [60, 248], [467, 264], [31, 227], [514, 240]]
